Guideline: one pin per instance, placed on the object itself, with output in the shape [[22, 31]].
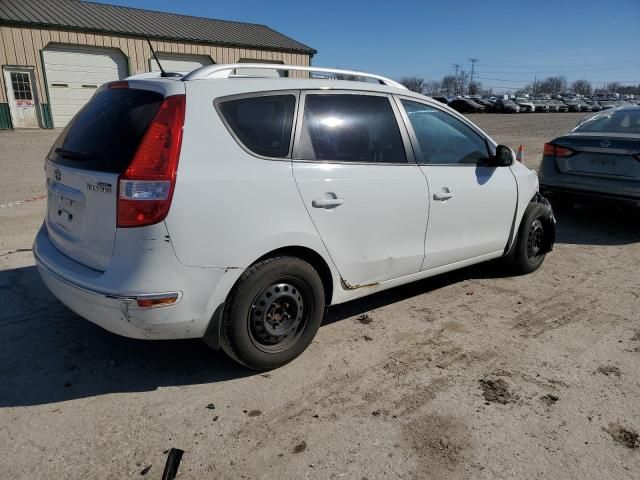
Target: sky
[[514, 41]]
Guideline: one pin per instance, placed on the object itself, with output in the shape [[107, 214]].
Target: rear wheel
[[528, 253], [273, 313]]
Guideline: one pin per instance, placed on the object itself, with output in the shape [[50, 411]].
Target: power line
[[553, 67]]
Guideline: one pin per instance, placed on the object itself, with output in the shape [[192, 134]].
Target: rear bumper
[[551, 179], [89, 293]]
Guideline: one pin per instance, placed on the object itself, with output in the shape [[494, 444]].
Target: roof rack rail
[[227, 71]]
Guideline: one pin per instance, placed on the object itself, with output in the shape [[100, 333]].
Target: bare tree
[[474, 88], [449, 85], [462, 82], [556, 84], [342, 76], [581, 87], [415, 84], [432, 88], [613, 87]]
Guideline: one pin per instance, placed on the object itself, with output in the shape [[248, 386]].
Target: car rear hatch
[[84, 165], [600, 156]]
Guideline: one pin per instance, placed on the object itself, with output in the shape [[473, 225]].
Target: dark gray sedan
[[600, 156]]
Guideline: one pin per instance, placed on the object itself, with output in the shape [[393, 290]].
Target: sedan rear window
[[262, 124], [105, 134], [621, 121]]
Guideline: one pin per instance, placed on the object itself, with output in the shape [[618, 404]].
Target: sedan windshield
[[621, 121]]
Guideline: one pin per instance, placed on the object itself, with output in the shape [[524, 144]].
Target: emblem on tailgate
[[57, 174], [99, 187]]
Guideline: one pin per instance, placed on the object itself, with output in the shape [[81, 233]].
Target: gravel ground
[[531, 130], [473, 375]]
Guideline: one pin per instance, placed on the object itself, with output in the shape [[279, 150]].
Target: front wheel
[[273, 313], [529, 250]]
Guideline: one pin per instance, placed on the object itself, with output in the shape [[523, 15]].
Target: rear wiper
[[71, 155]]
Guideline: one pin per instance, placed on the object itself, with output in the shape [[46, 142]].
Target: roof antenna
[[162, 72]]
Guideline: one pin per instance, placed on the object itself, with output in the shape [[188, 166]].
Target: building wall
[[22, 47]]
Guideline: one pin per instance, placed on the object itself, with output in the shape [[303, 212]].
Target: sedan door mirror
[[503, 157]]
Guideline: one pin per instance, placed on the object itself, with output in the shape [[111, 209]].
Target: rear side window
[[442, 138], [350, 128], [262, 124], [105, 134]]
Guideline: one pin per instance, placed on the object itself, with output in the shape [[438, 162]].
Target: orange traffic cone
[[520, 154]]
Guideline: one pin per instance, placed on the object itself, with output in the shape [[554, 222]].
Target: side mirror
[[503, 158]]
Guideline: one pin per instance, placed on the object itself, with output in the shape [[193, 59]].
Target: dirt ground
[[470, 375]]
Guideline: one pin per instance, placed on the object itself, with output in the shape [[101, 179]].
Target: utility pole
[[473, 69], [456, 66]]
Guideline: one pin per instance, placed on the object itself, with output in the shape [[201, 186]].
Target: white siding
[[174, 62]]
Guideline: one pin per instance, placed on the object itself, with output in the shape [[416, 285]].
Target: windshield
[[621, 121]]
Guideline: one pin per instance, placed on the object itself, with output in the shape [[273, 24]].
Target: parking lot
[[474, 374]]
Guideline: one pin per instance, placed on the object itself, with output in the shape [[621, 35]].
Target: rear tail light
[[551, 150], [146, 187]]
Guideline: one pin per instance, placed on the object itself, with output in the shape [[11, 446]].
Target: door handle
[[445, 194], [329, 201]]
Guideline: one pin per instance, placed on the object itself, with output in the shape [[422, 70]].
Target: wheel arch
[[309, 255], [212, 336]]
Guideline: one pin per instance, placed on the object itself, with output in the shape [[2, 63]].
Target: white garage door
[[74, 74], [173, 62]]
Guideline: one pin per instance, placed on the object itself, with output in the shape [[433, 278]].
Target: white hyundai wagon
[[235, 208]]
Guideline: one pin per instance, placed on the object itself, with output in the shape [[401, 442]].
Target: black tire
[[273, 313], [525, 256]]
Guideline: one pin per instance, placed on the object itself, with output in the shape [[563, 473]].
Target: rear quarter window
[[261, 124]]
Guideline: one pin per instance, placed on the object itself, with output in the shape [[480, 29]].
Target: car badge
[[57, 174], [605, 144]]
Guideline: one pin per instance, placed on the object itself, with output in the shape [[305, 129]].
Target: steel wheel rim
[[534, 242], [278, 316]]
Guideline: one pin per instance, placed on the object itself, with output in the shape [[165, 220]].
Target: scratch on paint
[[348, 286]]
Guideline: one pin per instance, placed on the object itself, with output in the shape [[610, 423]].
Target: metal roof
[[97, 17]]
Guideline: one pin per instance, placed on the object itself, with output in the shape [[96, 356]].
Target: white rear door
[[472, 204], [74, 73], [366, 197], [83, 167]]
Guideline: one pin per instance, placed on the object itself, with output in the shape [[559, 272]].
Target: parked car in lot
[[558, 105], [505, 106], [466, 105], [584, 106], [488, 106], [595, 106], [540, 106], [600, 156], [235, 209], [444, 100], [572, 104], [525, 104], [605, 104]]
